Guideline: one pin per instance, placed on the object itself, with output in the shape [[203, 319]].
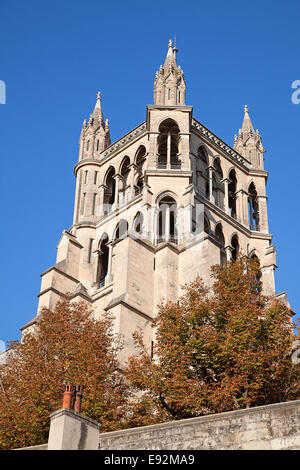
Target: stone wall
[[271, 427]]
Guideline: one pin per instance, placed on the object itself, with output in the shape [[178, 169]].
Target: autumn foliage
[[68, 345], [215, 350], [219, 350]]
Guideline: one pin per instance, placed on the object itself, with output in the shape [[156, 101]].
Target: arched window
[[168, 145], [124, 172], [121, 230], [218, 186], [221, 240], [167, 220], [102, 260], [109, 191], [232, 193], [138, 223], [235, 247], [202, 154], [253, 209], [140, 162], [202, 171]]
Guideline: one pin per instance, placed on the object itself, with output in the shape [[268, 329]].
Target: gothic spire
[[169, 84], [97, 113], [170, 60], [248, 142], [247, 124]]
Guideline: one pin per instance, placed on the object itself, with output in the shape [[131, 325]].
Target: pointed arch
[[253, 256], [138, 222], [232, 188], [165, 193], [217, 183], [202, 154], [103, 255], [140, 160], [140, 155], [121, 230], [167, 219], [109, 189], [235, 247], [168, 145], [253, 207], [221, 239], [124, 172]]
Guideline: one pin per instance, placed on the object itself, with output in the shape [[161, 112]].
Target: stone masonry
[[157, 207]]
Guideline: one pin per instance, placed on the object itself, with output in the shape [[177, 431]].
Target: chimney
[[69, 429], [78, 398], [67, 398]]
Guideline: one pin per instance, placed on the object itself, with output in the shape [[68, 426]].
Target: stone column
[[185, 150], [210, 174], [167, 223], [226, 182], [169, 150], [108, 278], [242, 207], [133, 168], [251, 213], [155, 226], [102, 189], [95, 255], [228, 250], [146, 226], [117, 178]]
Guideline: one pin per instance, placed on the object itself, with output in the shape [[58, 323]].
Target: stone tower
[[157, 207]]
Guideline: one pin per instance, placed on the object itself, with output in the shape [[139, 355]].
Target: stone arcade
[[157, 207]]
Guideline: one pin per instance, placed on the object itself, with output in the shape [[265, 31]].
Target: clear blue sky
[[55, 56]]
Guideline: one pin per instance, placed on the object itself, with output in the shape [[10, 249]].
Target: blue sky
[[55, 56]]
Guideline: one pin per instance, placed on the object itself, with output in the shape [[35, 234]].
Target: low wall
[[265, 427]]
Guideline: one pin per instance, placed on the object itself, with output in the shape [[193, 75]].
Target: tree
[[67, 345], [219, 350]]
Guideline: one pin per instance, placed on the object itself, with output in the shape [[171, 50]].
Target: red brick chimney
[[78, 398], [68, 394]]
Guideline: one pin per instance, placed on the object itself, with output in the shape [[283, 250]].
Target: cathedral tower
[[157, 207]]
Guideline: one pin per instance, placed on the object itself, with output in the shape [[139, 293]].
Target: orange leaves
[[219, 350], [67, 345]]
